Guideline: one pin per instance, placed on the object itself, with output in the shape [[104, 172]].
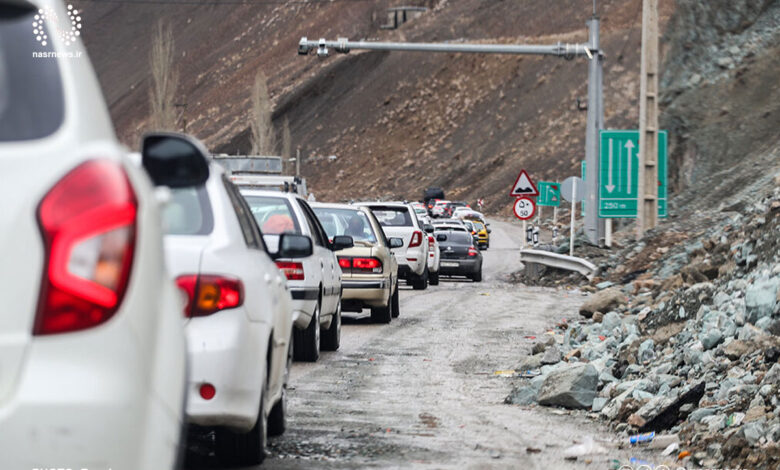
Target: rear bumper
[[363, 293], [224, 350], [304, 302], [464, 267], [86, 402]]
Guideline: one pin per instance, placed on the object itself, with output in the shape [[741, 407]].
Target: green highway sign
[[619, 168], [549, 194]]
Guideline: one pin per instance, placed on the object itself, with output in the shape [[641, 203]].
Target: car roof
[[383, 204], [333, 205], [264, 192]]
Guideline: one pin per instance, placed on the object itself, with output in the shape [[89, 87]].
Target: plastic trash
[[671, 448], [587, 447], [641, 438]]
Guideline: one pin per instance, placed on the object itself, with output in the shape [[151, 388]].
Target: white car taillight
[[88, 223]]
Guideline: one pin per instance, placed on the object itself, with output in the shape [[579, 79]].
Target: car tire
[[421, 283], [433, 278], [307, 341], [277, 418], [395, 304], [331, 338], [477, 276], [383, 314], [243, 449]]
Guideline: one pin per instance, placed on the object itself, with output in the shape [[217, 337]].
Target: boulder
[[552, 355], [760, 299], [570, 386], [603, 301]]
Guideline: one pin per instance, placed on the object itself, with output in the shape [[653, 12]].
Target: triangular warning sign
[[524, 186]]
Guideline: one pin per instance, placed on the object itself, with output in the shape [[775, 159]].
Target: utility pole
[[298, 162], [647, 210], [594, 228]]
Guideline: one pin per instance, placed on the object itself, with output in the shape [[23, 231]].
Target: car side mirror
[[294, 246], [342, 242], [428, 228], [441, 237], [396, 242], [489, 230], [174, 160]]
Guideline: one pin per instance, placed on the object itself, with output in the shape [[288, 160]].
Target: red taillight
[[293, 270], [207, 391], [431, 242], [88, 225], [345, 263], [473, 251], [371, 265], [416, 239], [207, 294]]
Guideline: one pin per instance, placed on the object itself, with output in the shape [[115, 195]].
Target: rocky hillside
[[396, 121]]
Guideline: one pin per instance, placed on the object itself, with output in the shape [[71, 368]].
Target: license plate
[[449, 264]]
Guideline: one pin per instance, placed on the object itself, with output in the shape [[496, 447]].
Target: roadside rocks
[[603, 301], [571, 386]]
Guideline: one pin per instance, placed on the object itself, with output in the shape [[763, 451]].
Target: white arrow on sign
[[630, 147], [610, 187]]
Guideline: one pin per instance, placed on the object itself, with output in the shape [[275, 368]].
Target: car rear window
[[188, 212], [458, 238], [392, 216], [346, 222], [32, 105], [274, 215]]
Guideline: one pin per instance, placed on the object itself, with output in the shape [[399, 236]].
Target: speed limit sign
[[524, 208]]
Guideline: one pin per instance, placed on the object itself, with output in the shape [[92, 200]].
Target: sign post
[[572, 190], [549, 195], [524, 207]]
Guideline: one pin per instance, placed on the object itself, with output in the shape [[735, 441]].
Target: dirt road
[[421, 392]]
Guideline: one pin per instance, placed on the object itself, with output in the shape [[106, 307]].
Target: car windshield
[[188, 212], [32, 105], [479, 226], [346, 222], [274, 215], [392, 216]]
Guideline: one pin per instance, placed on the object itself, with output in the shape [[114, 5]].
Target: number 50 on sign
[[524, 208]]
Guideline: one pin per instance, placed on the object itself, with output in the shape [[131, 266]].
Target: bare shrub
[[263, 135], [165, 79]]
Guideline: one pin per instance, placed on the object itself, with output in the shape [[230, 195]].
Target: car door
[[331, 279]]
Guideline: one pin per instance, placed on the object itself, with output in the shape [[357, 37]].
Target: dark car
[[459, 256]]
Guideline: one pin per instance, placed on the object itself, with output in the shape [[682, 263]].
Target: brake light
[[416, 239], [88, 225], [292, 269], [207, 294], [371, 265], [473, 251], [345, 263]]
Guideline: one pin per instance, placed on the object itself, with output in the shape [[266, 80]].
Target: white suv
[[315, 281], [240, 317], [399, 220], [92, 349]]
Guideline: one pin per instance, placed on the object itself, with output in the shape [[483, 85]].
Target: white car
[[399, 220], [239, 314], [92, 349], [315, 281], [438, 208], [434, 258]]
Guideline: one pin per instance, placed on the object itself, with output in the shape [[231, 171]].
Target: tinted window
[[274, 215], [188, 212], [346, 222], [248, 227], [319, 235], [458, 238], [392, 216], [31, 101]]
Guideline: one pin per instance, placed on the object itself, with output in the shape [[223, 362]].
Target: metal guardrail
[[555, 260]]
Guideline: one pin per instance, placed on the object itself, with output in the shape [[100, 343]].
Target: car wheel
[[331, 338], [277, 419], [433, 278], [477, 276], [307, 341], [421, 283], [395, 304], [383, 314], [238, 449]]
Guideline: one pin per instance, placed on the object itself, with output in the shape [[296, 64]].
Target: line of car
[[148, 295]]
